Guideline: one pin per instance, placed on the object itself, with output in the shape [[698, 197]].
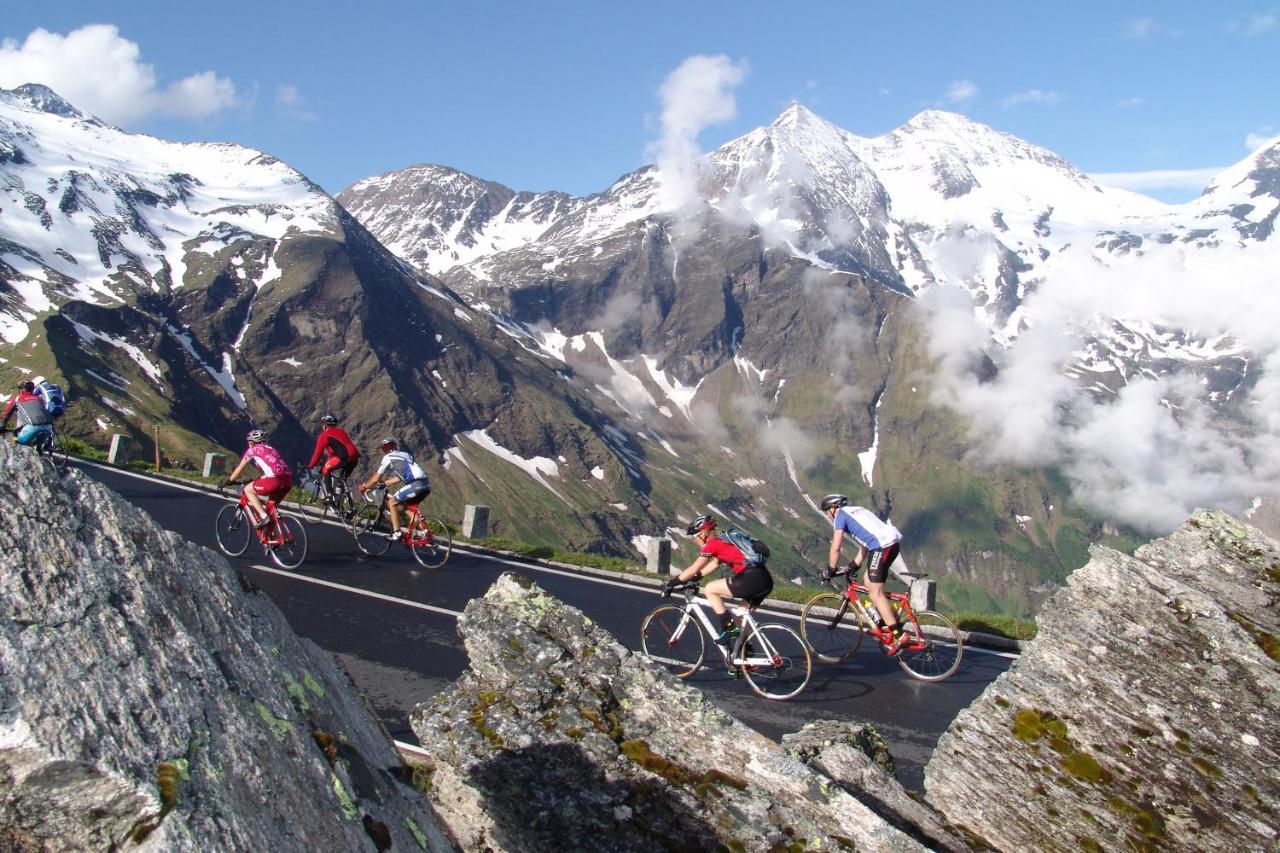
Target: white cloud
[[1254, 25], [1135, 101], [1031, 96], [1181, 179], [1143, 28], [290, 104], [961, 90], [884, 91], [100, 72], [1260, 137], [695, 96]]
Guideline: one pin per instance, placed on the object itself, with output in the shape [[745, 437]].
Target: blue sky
[[564, 95]]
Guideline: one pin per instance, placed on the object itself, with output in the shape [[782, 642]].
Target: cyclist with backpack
[[398, 469], [877, 542], [35, 424], [748, 578], [276, 480], [337, 449], [55, 402]]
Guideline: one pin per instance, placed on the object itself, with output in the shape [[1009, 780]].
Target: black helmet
[[27, 386], [833, 501], [699, 524], [329, 420]]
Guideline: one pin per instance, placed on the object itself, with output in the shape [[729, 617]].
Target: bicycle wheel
[[775, 662], [58, 454], [429, 541], [370, 529], [830, 627], [291, 553], [670, 636], [345, 505], [932, 648], [232, 530]]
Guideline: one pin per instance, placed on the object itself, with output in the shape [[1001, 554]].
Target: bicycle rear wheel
[[232, 530], [345, 505], [931, 648], [775, 662], [429, 541], [830, 627], [291, 553], [58, 454], [671, 638], [370, 529]]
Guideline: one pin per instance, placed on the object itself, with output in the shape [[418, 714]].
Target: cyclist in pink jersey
[[275, 482]]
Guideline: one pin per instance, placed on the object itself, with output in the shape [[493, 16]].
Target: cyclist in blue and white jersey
[[877, 543], [400, 472]]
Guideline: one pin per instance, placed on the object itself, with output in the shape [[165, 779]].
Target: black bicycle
[[313, 492]]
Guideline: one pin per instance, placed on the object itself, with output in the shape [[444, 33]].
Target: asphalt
[[392, 624]]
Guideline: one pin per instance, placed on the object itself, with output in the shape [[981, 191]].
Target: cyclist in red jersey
[[275, 482], [749, 584], [337, 450]]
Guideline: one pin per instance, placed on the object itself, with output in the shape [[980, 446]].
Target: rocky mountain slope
[[152, 699]]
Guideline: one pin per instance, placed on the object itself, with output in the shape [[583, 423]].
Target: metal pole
[[157, 434]]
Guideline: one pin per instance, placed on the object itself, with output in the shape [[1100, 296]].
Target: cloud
[[1260, 137], [1143, 28], [695, 96], [961, 90], [100, 72], [1031, 96], [1135, 101], [291, 105], [1182, 179], [1254, 25]]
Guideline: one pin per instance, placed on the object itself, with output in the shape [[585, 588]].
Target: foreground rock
[[559, 738], [1143, 716], [148, 700]]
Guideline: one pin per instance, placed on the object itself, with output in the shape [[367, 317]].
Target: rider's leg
[[716, 592], [394, 507], [255, 500], [875, 591]]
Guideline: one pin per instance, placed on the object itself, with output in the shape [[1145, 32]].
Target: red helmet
[[699, 524]]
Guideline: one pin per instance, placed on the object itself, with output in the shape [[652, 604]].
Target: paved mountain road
[[392, 623]]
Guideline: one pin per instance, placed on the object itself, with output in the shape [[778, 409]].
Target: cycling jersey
[[401, 464], [865, 527], [268, 460], [724, 552], [29, 408], [334, 442]]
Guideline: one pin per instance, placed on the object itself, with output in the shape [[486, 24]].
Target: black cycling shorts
[[877, 563], [751, 585]]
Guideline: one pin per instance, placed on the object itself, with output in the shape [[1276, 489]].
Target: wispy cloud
[[1182, 179], [961, 91], [1256, 139], [1254, 25], [101, 72], [1148, 28], [1031, 96], [291, 105], [1135, 101]]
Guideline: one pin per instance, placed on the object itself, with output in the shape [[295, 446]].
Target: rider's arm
[[833, 555], [315, 454], [695, 569], [236, 473]]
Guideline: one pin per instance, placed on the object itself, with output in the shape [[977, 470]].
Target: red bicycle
[[833, 623], [283, 537], [426, 538]]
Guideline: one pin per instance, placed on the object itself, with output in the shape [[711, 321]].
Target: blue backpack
[[753, 550], [55, 402]]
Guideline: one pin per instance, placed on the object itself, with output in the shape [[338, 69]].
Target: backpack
[[753, 550], [55, 402]]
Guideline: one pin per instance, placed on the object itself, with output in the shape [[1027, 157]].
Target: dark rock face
[[1143, 716], [559, 738], [147, 699]]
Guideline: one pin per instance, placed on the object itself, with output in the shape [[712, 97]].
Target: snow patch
[[538, 467]]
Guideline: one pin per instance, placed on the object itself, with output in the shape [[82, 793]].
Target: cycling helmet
[[699, 524], [329, 420], [257, 436], [389, 443], [29, 387], [833, 501]]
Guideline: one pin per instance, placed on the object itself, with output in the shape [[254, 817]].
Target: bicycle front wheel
[[345, 505], [293, 550], [58, 454], [932, 648], [370, 529], [830, 627], [430, 542], [775, 662], [671, 638], [232, 530]]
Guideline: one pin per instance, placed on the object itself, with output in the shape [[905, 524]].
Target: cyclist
[[338, 451], [749, 584], [35, 424], [398, 468], [877, 542], [275, 482]]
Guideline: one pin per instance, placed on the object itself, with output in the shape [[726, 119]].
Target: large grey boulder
[[560, 738], [1145, 713], [151, 699]]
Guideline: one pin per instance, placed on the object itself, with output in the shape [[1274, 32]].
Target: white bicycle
[[771, 657]]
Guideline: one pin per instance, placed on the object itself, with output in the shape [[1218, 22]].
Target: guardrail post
[[215, 465], [657, 552], [475, 521], [923, 595], [119, 453]]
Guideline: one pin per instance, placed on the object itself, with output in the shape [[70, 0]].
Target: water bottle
[[872, 613]]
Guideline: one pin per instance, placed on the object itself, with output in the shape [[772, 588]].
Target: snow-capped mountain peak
[[40, 97]]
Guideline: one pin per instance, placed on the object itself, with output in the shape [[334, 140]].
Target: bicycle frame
[[270, 533], [411, 516], [696, 607]]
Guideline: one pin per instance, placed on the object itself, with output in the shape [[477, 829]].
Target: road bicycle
[[833, 624], [427, 538], [51, 452], [312, 492], [772, 658], [283, 537]]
